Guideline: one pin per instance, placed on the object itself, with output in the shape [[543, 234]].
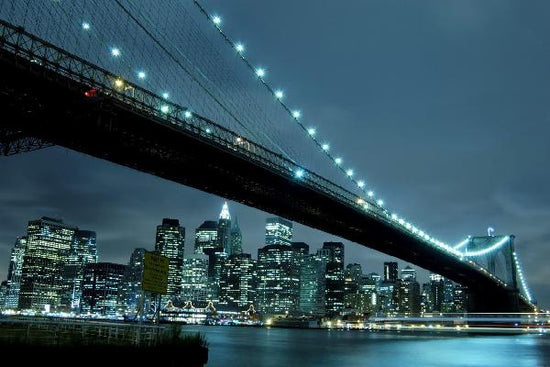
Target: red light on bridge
[[91, 93]]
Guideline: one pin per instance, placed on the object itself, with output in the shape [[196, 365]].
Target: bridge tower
[[496, 255]]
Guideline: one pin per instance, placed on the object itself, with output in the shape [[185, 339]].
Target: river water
[[254, 346]]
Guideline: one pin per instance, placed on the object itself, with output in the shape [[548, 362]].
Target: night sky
[[441, 105]]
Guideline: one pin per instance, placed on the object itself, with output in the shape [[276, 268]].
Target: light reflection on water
[[250, 346]]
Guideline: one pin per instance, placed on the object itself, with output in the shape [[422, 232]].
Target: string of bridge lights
[[522, 279], [260, 74]]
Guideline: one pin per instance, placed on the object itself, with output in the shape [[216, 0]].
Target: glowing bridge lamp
[[279, 94], [216, 20], [187, 114], [239, 47], [296, 114], [380, 202], [260, 72], [141, 75], [361, 184], [165, 95], [338, 161], [325, 147], [85, 26], [164, 109], [349, 172], [115, 52], [311, 131], [299, 173]]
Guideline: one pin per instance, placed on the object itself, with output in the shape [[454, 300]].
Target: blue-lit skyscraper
[[83, 251], [278, 279], [170, 242], [236, 239], [131, 296], [13, 284], [334, 277]]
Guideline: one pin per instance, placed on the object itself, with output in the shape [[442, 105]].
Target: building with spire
[[224, 229]]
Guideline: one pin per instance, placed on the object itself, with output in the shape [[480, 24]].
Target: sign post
[[155, 275]]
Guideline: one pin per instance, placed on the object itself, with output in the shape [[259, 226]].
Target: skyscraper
[[390, 271], [206, 236], [278, 279], [83, 251], [131, 297], [216, 258], [238, 282], [224, 229], [13, 283], [195, 279], [236, 239], [278, 231], [170, 242], [433, 293], [49, 244], [334, 277], [100, 288], [312, 285], [408, 296]]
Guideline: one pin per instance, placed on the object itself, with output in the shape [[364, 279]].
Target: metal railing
[[67, 332]]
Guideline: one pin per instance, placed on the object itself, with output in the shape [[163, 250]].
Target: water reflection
[[243, 346]]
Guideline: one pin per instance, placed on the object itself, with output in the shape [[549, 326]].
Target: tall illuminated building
[[131, 296], [206, 236], [195, 280], [216, 259], [278, 279], [224, 229], [312, 286], [100, 288], [170, 242], [49, 243], [391, 272], [83, 251], [236, 239], [13, 284], [334, 278], [433, 293], [237, 282], [278, 231], [408, 297]]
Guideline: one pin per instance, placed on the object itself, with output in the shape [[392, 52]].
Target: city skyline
[[447, 80], [189, 247], [55, 268]]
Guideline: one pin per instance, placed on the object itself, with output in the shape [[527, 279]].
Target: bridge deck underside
[[50, 107]]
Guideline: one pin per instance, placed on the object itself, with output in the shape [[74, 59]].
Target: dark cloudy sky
[[442, 105]]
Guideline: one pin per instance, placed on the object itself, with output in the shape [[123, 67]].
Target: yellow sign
[[155, 273]]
